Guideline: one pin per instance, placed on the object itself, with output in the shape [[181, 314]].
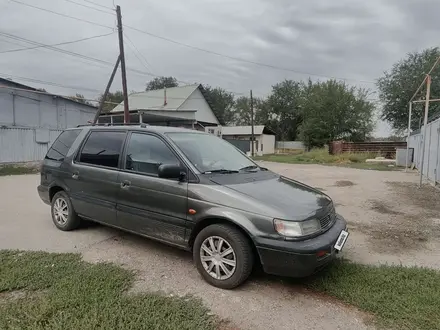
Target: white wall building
[[183, 106], [264, 137]]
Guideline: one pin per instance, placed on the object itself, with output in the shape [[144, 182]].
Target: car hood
[[293, 199]]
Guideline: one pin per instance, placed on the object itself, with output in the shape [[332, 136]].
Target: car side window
[[145, 153], [103, 148], [62, 144]]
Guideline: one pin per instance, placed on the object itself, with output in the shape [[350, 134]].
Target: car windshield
[[209, 153]]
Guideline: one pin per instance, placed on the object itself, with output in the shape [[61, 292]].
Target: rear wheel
[[63, 215], [223, 256]]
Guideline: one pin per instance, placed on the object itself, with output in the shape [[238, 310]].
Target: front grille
[[328, 220]]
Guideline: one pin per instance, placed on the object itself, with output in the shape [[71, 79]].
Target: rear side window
[[62, 144], [103, 149]]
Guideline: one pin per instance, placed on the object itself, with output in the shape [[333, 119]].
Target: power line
[[74, 54], [78, 88], [198, 48], [90, 7], [58, 44], [63, 15], [135, 49], [242, 59], [99, 5]]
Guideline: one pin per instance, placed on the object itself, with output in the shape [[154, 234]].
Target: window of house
[[262, 147], [145, 153], [211, 131], [103, 148], [62, 144]]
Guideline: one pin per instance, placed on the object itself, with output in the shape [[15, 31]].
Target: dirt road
[[264, 302]]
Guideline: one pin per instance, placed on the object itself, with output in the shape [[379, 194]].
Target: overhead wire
[[97, 4], [57, 44], [90, 7], [136, 51], [242, 59], [78, 88], [203, 49], [78, 55], [63, 15]]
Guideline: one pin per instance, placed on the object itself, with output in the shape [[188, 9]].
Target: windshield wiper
[[221, 170], [248, 168]]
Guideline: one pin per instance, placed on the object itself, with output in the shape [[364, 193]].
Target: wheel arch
[[211, 220], [53, 190]]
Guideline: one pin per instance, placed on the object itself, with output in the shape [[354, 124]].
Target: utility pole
[[408, 136], [104, 96], [122, 58], [252, 125], [425, 125]]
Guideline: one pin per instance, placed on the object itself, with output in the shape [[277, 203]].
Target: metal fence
[[290, 145], [19, 145], [431, 164]]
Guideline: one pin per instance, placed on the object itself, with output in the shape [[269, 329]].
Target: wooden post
[[122, 57], [425, 125], [104, 96], [252, 125]]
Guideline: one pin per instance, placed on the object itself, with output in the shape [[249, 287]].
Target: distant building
[[31, 120], [240, 136], [184, 106]]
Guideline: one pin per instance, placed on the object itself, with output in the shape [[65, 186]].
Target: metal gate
[[243, 145]]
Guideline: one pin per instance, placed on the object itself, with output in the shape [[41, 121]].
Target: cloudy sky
[[351, 39]]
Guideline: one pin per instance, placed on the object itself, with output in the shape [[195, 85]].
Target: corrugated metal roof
[[242, 130], [154, 100], [10, 83]]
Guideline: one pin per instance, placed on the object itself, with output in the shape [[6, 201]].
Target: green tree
[[113, 100], [284, 106], [161, 82], [242, 111], [332, 110], [397, 86], [222, 103], [80, 98]]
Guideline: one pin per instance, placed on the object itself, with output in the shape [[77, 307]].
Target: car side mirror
[[171, 171]]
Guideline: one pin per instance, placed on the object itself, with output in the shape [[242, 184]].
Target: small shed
[[264, 138]]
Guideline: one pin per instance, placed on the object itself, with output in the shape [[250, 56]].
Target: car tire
[[63, 215], [237, 248]]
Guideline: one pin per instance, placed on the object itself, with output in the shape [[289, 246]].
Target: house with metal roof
[[240, 136], [183, 106]]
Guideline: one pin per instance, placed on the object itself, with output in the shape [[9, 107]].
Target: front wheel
[[223, 256]]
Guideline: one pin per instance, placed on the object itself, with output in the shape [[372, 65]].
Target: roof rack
[[143, 125]]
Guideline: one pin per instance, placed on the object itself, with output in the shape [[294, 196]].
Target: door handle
[[125, 184], [75, 175]]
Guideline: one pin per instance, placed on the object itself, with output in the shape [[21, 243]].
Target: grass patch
[[400, 297], [321, 156], [15, 170], [64, 292]]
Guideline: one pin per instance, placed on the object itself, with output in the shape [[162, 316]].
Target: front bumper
[[300, 258]]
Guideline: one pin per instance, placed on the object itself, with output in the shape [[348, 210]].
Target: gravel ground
[[381, 207]]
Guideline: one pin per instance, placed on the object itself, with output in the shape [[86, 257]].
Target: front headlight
[[296, 229]]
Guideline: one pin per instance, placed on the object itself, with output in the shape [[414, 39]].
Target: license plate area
[[342, 238]]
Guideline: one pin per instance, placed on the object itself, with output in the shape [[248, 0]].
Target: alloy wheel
[[60, 211], [218, 257]]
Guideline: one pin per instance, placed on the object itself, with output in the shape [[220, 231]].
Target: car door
[[147, 204], [94, 175]]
